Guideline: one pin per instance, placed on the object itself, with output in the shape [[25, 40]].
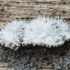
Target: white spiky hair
[[40, 31], [46, 31], [11, 34]]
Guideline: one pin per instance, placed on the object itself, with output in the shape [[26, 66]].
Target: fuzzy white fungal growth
[[11, 34], [40, 31], [46, 31]]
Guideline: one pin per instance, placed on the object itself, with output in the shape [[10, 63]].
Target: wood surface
[[28, 9]]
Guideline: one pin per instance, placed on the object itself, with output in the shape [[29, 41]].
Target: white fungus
[[41, 31], [46, 31], [11, 34]]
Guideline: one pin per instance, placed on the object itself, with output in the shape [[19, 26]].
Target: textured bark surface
[[29, 9], [41, 58]]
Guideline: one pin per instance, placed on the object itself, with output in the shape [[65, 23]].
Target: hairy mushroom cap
[[11, 34], [46, 31], [41, 31]]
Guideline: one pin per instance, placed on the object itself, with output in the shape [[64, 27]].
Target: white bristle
[[41, 31], [11, 33], [50, 33]]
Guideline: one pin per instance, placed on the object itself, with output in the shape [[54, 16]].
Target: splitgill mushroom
[[42, 31], [11, 34], [46, 31]]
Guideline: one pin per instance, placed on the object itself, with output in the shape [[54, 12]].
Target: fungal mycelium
[[41, 31]]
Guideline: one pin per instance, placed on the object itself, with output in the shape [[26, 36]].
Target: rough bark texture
[[36, 58], [33, 58], [29, 9]]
